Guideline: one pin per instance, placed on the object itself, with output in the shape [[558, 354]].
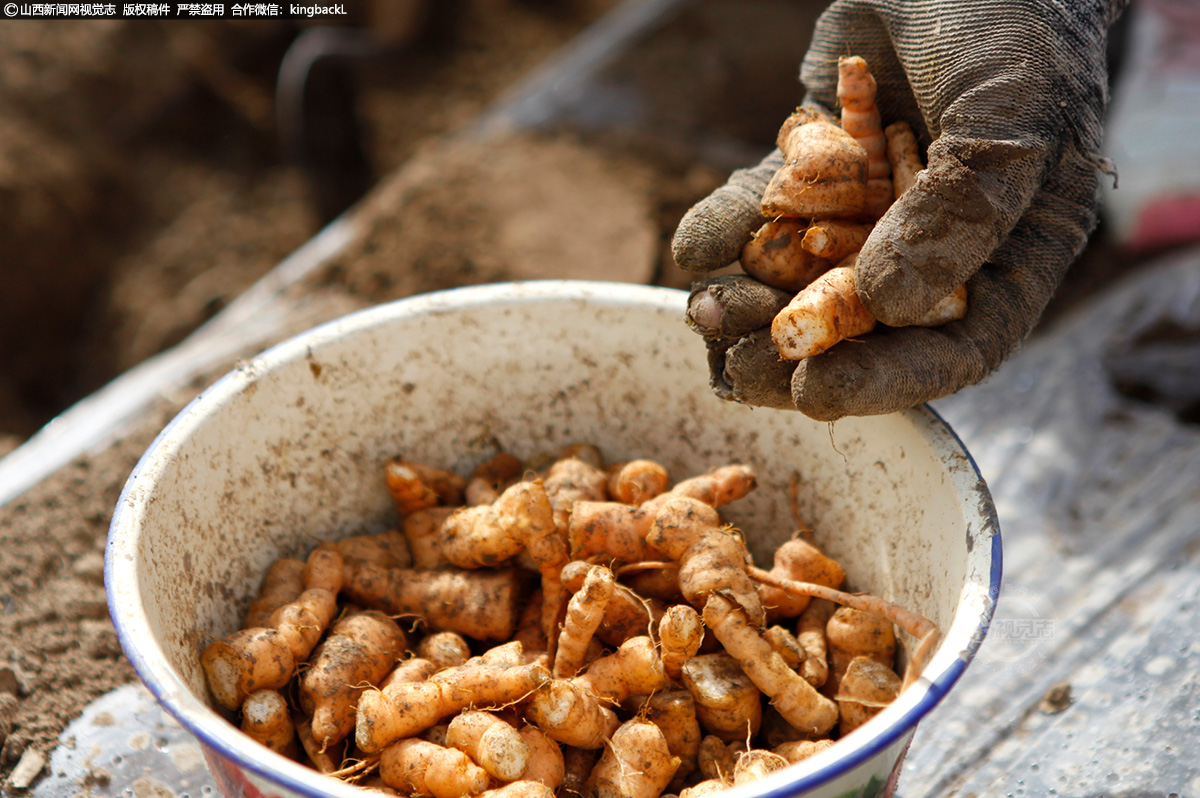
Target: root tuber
[[829, 311], [866, 688], [481, 604], [728, 704], [557, 710], [283, 583], [637, 763], [903, 156], [680, 633], [824, 173], [638, 481], [800, 561], [776, 255], [358, 653], [836, 181], [794, 698], [493, 744], [420, 767], [266, 718], [860, 118], [585, 611]]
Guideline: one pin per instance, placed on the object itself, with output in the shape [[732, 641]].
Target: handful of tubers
[[530, 655], [837, 180]]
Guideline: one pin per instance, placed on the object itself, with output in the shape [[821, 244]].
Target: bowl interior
[[286, 451]]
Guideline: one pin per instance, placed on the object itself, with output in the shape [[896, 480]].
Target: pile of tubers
[[837, 180], [580, 628]]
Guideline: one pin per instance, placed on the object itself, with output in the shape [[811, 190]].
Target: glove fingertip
[[813, 398], [703, 244], [755, 375]]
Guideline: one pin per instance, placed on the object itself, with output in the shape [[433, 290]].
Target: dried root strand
[[918, 626]]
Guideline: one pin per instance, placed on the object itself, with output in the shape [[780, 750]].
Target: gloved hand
[[1011, 94]]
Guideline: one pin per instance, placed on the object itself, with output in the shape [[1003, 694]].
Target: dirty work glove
[[1011, 94]]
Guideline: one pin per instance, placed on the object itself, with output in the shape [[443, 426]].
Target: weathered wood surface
[[1099, 502]]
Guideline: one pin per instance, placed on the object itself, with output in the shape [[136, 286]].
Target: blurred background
[[150, 171]]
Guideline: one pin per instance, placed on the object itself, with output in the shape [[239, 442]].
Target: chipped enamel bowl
[[286, 451]]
